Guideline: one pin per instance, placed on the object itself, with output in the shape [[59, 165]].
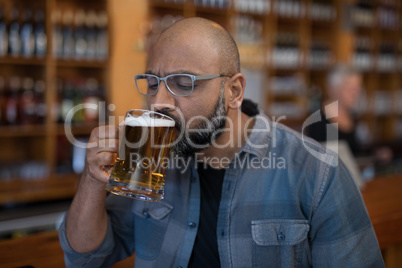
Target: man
[[252, 196]]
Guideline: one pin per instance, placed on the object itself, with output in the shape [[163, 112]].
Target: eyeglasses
[[178, 84]]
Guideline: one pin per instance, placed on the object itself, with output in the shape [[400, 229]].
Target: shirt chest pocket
[[279, 243], [150, 226]]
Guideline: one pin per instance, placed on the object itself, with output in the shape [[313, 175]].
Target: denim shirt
[[281, 206]]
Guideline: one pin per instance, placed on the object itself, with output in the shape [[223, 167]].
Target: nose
[[162, 100]]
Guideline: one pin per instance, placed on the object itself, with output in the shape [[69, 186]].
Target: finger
[[99, 165], [121, 127], [105, 145], [101, 175], [107, 169], [105, 159]]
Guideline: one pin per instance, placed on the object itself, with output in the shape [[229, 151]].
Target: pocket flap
[[279, 232], [156, 210]]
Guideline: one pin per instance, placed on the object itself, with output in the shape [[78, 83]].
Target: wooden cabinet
[[376, 52], [44, 143]]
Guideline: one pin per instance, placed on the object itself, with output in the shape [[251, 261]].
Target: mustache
[[178, 123]]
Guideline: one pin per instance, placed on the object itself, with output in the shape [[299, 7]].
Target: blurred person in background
[[343, 85]]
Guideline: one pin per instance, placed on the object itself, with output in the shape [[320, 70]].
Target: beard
[[203, 133]]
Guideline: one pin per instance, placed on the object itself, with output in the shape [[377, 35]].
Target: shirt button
[[145, 213], [281, 236], [192, 224]]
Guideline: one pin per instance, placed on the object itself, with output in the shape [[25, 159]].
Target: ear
[[237, 84]]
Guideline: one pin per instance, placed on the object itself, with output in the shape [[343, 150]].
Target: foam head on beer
[[145, 120]]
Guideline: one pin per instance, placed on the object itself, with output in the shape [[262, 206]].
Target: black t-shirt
[[205, 252]]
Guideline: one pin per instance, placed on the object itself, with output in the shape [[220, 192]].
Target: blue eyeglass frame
[[164, 79]]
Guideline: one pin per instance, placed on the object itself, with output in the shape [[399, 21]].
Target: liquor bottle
[[67, 102], [57, 115], [57, 36], [12, 102], [91, 98], [3, 100], [40, 102], [27, 102], [3, 34], [103, 114], [79, 90], [68, 35], [80, 35], [40, 34], [14, 41], [102, 37], [27, 36], [90, 22]]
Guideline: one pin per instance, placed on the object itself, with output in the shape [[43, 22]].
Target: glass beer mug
[[140, 166]]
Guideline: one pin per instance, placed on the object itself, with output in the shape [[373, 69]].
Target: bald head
[[214, 35]]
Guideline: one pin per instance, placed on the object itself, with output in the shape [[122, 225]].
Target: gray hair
[[339, 73]]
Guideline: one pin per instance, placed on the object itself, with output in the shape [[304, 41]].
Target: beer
[[140, 166]]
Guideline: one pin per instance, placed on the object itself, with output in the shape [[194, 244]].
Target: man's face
[[205, 108], [350, 91]]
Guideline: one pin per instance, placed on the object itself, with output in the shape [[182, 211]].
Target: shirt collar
[[259, 139]]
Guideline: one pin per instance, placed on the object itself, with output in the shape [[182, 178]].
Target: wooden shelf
[[23, 131], [322, 23], [209, 10], [288, 70], [319, 71], [364, 116], [259, 16], [53, 188], [9, 60], [77, 129], [290, 20], [168, 5], [287, 97], [364, 30], [389, 34], [82, 63], [40, 130], [42, 142], [386, 73]]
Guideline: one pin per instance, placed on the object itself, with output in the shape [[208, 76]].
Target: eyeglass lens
[[180, 85]]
